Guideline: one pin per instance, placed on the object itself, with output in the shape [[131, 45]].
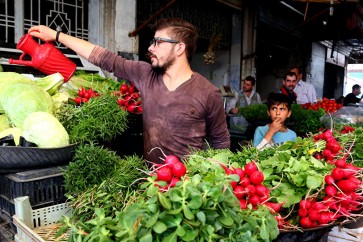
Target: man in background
[[288, 85], [352, 98], [244, 97], [305, 92]]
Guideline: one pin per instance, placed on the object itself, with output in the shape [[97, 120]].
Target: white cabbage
[[45, 130], [22, 99]]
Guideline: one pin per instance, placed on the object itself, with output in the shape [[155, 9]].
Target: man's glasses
[[157, 41]]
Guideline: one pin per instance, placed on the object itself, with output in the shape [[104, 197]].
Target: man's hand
[[233, 111], [80, 46], [43, 32]]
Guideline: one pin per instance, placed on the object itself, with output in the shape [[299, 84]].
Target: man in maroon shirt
[[288, 84], [181, 108]]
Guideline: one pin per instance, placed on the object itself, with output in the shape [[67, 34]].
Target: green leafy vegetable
[[14, 133], [9, 78], [50, 83], [92, 164], [45, 130], [4, 123], [100, 119], [59, 99], [87, 80], [22, 99]]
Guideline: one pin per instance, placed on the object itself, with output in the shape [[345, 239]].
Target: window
[[70, 15]]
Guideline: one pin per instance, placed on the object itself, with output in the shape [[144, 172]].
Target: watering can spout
[[20, 61]]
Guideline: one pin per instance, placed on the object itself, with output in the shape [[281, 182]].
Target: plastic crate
[[28, 221], [44, 187], [341, 234]]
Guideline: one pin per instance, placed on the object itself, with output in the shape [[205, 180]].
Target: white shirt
[[232, 103], [305, 92]]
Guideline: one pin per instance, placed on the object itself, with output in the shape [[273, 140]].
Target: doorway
[[333, 81]]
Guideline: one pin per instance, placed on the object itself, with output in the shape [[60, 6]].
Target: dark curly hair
[[182, 31]]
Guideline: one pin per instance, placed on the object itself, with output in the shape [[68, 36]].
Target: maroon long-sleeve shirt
[[175, 120]]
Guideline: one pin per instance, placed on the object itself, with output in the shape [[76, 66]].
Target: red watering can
[[45, 58]]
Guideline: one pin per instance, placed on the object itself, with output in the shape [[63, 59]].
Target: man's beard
[[291, 89], [163, 68]]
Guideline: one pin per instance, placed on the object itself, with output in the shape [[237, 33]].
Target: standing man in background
[[305, 91], [288, 85]]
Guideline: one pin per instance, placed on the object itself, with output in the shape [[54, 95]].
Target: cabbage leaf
[[45, 130], [9, 78], [4, 124], [22, 99]]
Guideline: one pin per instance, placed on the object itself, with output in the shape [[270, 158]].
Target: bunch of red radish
[[249, 189], [332, 147], [171, 172], [314, 213], [84, 95], [342, 190], [343, 196], [347, 129], [129, 98]]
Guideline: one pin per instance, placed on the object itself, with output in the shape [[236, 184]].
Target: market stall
[[301, 189], [286, 192]]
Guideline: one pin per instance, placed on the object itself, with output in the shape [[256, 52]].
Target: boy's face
[[279, 111]]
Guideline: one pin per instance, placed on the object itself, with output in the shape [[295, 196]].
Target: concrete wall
[[213, 72], [125, 23], [108, 26], [315, 71], [227, 67]]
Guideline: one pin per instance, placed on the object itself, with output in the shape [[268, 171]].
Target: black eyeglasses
[[157, 41]]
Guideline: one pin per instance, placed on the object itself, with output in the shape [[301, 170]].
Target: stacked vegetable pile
[[330, 106], [49, 113], [129, 98], [27, 109], [93, 112], [214, 195], [315, 179], [201, 206]]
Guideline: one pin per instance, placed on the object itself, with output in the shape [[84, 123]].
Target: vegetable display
[[201, 206], [210, 195], [330, 106], [28, 107]]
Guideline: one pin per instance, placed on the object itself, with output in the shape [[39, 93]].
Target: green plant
[[100, 119]]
